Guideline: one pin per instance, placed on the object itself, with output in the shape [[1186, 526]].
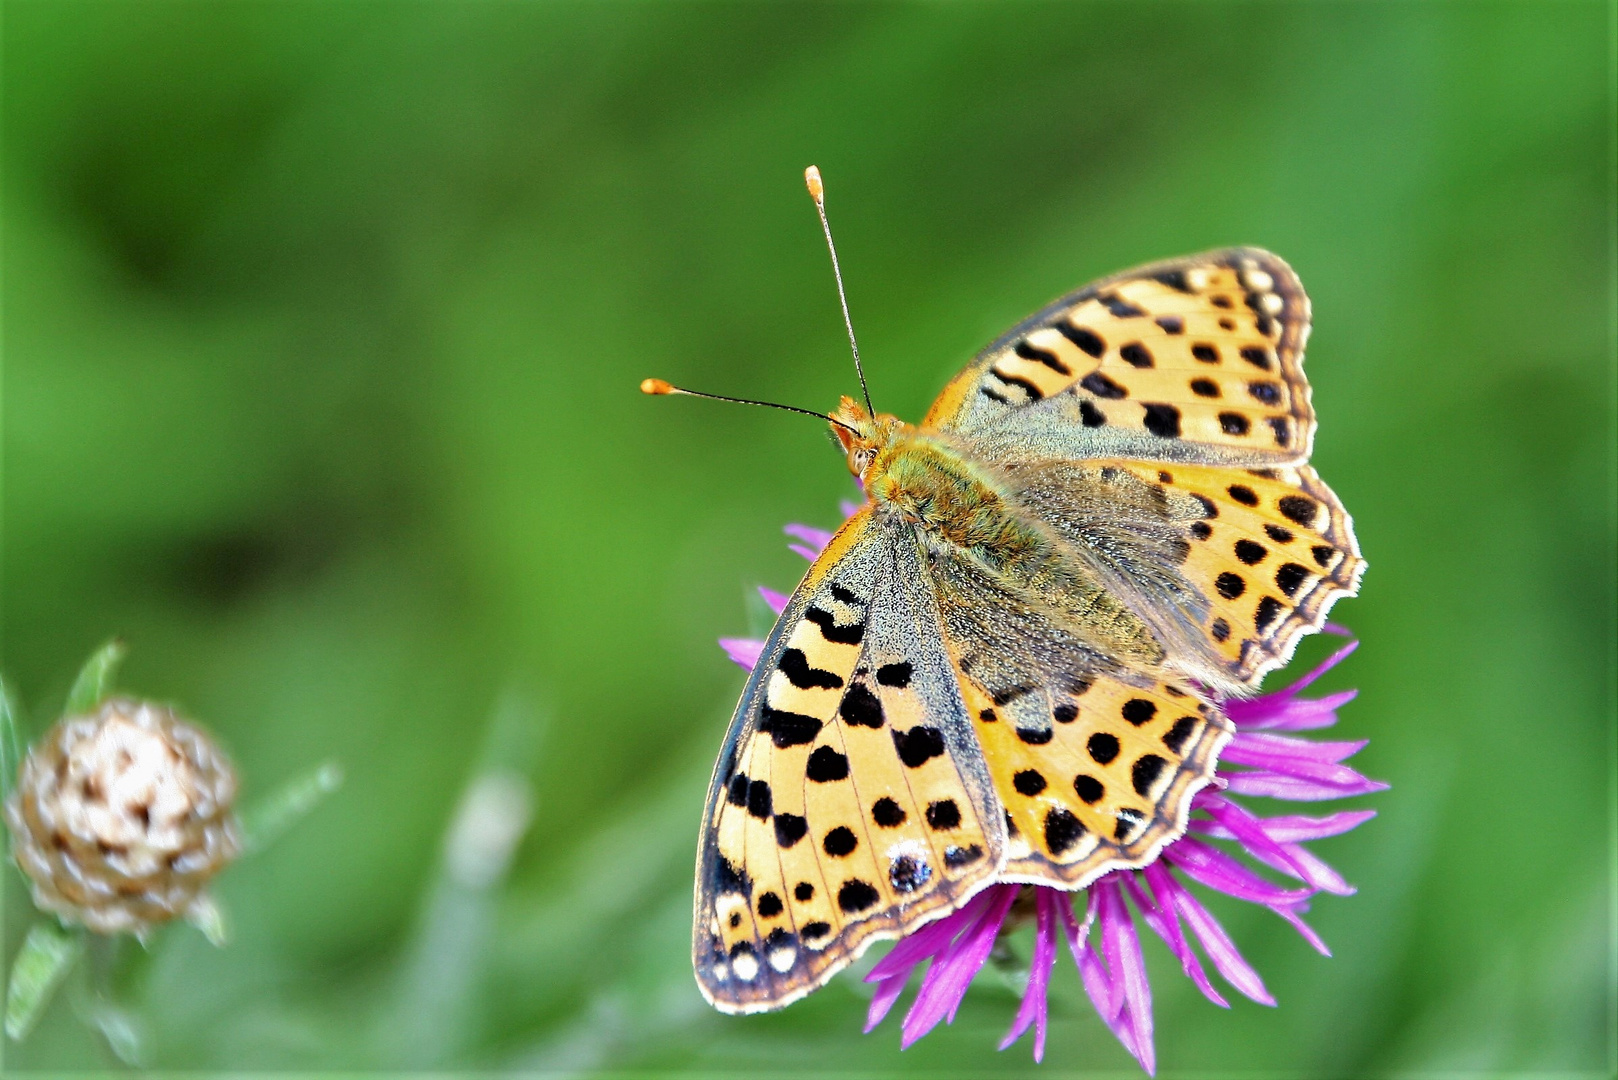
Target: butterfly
[[1007, 665]]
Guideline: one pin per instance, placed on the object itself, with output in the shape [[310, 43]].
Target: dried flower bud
[[119, 819]]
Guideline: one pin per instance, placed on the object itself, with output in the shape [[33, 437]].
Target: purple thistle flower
[[1106, 945]]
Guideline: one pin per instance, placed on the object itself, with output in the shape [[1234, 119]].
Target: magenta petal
[[777, 601], [1296, 828], [1160, 916], [1295, 789], [745, 651], [849, 508], [815, 538], [1303, 928], [1215, 942], [1249, 832], [1286, 764], [887, 992], [1033, 1009], [1122, 946], [807, 552], [1325, 665], [929, 940], [1287, 714], [946, 980], [1262, 743], [1220, 872]]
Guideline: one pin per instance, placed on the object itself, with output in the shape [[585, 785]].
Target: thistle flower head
[[120, 818], [1223, 842]]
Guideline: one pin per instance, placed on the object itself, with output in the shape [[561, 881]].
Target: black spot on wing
[[1119, 307], [1135, 355], [1176, 736], [1163, 421], [887, 813], [1090, 416], [1028, 782], [842, 635], [861, 708], [1267, 392], [789, 829], [1034, 392], [728, 879], [1299, 508], [845, 596], [1144, 773], [1129, 822], [826, 766], [855, 896], [759, 803], [957, 857], [1290, 577], [1139, 710], [1033, 352], [1268, 608], [795, 666], [1234, 423], [1174, 279], [788, 728], [895, 675], [1258, 357], [918, 745], [1062, 830], [839, 842], [737, 795], [1087, 341], [1103, 387]]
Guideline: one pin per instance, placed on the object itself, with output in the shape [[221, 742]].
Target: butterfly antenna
[[658, 386], [817, 192]]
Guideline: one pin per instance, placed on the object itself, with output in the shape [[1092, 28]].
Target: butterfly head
[[862, 435]]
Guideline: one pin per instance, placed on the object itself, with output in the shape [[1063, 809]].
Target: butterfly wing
[[850, 802], [1194, 359], [1228, 544], [1094, 762]]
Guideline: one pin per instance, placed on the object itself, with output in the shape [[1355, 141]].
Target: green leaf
[[95, 679], [11, 742], [47, 955], [264, 822]]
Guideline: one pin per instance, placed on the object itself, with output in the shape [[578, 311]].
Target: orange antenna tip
[[655, 386], [811, 179]]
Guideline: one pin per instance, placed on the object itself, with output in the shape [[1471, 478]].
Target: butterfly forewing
[[1195, 359], [850, 803]]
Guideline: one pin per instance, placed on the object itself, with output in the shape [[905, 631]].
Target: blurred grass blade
[[44, 960], [122, 1031], [95, 678], [264, 822], [11, 742], [206, 914]]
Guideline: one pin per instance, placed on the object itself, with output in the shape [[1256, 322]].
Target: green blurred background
[[323, 323]]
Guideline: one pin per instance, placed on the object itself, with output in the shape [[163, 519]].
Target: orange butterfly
[[1003, 667]]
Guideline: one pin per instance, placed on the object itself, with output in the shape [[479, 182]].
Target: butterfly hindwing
[[1194, 359], [1102, 784], [1095, 761], [850, 803], [1229, 567]]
